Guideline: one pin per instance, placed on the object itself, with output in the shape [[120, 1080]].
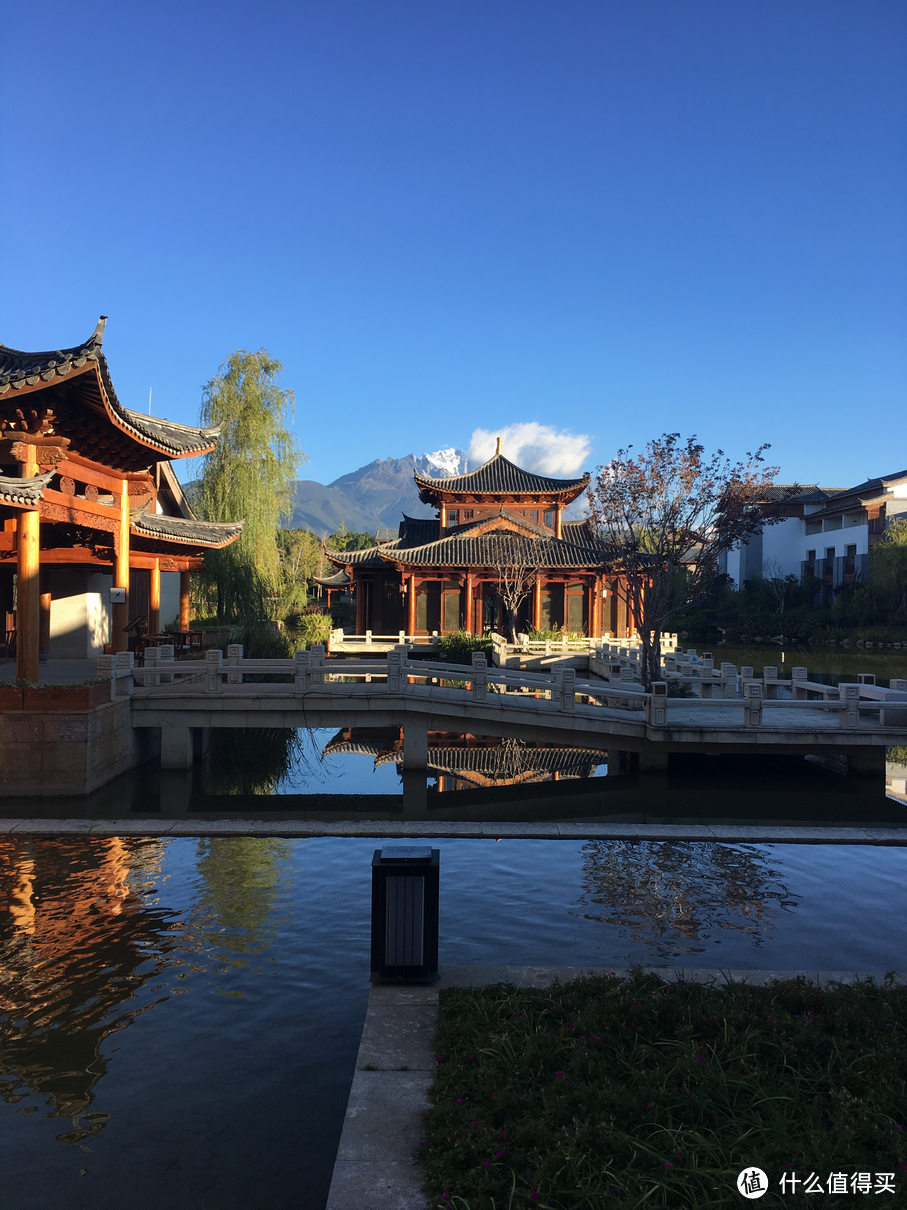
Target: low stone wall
[[44, 752]]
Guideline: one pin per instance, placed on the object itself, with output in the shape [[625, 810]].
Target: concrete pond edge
[[376, 1164], [429, 829]]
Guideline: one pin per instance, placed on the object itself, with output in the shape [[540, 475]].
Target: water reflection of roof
[[483, 760]]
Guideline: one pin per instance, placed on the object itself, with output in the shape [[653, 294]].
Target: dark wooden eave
[[24, 493], [76, 384]]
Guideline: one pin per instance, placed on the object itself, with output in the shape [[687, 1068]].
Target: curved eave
[[24, 493], [498, 477], [548, 553], [205, 535], [20, 370], [340, 580]]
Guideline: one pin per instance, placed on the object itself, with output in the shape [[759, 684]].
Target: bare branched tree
[[668, 514], [510, 559]]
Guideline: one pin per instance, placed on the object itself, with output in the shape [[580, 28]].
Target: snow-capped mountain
[[375, 496]]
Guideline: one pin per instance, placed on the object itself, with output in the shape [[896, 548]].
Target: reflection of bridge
[[605, 713], [474, 760]]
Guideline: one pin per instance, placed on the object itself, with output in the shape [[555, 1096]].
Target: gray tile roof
[[18, 368], [499, 548], [24, 491], [213, 534], [340, 579], [419, 529], [499, 476]]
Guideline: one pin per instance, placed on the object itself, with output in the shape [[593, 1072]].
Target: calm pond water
[[179, 1018]]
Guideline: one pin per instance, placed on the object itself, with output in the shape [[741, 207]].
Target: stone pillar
[[154, 599], [28, 580], [185, 611], [177, 747], [120, 639], [415, 743]]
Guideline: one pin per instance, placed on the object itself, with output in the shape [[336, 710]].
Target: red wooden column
[[468, 607], [28, 577], [537, 604], [595, 594], [154, 599], [411, 605], [120, 639], [185, 609]]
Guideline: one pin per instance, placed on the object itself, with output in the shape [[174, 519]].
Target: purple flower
[[558, 1073], [638, 1005], [597, 1038], [486, 1163], [458, 1101], [667, 1164], [701, 1058], [500, 1153], [646, 1105], [494, 1094], [534, 1193], [439, 1058], [504, 1134], [639, 1029], [473, 1122]]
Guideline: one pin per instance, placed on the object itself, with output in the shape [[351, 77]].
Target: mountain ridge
[[373, 497]]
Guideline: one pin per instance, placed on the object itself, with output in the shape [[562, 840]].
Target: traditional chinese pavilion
[[95, 525], [500, 521]]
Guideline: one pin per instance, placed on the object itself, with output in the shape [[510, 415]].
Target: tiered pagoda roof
[[498, 477]]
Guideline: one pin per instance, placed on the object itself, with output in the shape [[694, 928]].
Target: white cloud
[[535, 447]]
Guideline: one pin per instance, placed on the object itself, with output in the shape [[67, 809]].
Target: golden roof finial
[[498, 450]]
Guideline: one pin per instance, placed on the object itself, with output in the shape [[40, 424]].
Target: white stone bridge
[[610, 712]]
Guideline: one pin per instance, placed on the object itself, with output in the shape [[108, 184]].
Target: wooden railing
[[311, 672]]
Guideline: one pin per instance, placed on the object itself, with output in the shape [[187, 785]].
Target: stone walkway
[[387, 829], [376, 1166]]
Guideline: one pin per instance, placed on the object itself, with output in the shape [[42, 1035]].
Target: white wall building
[[825, 534]]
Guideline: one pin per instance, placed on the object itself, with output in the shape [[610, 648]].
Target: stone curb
[[388, 828], [376, 1165]]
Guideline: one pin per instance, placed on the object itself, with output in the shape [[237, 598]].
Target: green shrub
[[459, 646]]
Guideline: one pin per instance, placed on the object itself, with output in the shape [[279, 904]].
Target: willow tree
[[249, 474]]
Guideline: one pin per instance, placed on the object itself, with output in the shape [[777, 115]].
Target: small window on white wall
[[814, 527]]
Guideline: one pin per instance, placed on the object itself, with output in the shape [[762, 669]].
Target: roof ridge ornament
[[98, 334], [498, 450]]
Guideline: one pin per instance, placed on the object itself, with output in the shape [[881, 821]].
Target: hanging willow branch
[[249, 474]]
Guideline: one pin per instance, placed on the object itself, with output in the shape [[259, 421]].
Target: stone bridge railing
[[861, 705]]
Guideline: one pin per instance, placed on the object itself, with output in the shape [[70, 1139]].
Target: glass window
[[829, 552], [453, 516], [467, 514], [549, 520], [832, 523], [853, 519], [850, 552], [534, 516], [814, 527], [810, 556]]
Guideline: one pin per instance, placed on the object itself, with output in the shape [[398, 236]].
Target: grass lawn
[[637, 1092]]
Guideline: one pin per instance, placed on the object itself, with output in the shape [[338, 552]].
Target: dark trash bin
[[405, 891]]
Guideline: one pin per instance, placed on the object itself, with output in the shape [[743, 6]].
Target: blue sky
[[614, 219]]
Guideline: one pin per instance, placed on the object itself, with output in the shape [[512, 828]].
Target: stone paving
[[435, 829]]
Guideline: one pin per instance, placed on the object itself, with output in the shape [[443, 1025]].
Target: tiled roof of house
[[340, 579], [497, 549], [419, 529], [499, 476], [18, 368], [212, 534], [24, 491]]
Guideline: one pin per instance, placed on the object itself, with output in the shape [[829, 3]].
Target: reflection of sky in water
[[190, 1009]]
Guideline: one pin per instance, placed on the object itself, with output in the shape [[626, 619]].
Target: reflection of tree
[[71, 947], [252, 760], [241, 881], [670, 894]]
